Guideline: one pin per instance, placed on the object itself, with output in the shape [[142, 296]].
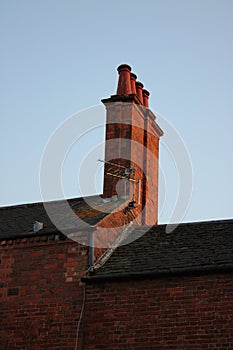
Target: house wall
[[41, 293], [161, 313], [42, 298]]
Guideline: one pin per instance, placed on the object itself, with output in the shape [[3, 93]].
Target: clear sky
[[60, 56]]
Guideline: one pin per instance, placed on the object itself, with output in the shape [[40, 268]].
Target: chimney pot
[[139, 87], [124, 83], [133, 79], [146, 95]]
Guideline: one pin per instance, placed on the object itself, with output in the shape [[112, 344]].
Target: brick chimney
[[132, 148]]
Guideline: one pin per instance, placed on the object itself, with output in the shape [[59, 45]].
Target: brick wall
[[41, 293], [134, 144], [163, 313], [42, 297]]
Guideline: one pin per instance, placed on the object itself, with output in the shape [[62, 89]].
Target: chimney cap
[[139, 84], [132, 75], [146, 92], [124, 67]]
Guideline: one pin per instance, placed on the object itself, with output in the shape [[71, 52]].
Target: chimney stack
[[132, 149]]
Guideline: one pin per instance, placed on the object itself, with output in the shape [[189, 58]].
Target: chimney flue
[[124, 83], [139, 87], [146, 95]]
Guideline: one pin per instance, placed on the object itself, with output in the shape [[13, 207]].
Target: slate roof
[[198, 246], [191, 247], [17, 221]]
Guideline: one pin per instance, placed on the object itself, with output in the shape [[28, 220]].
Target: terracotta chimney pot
[[124, 83], [133, 79], [146, 95], [139, 87]]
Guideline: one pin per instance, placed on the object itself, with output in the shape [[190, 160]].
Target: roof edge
[[62, 235], [211, 269]]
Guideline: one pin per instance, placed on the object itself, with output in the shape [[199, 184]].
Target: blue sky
[[60, 57]]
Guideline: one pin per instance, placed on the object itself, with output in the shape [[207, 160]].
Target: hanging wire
[[80, 317]]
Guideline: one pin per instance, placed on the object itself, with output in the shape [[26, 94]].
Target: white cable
[[80, 317]]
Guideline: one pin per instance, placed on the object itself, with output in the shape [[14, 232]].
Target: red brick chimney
[[132, 148]]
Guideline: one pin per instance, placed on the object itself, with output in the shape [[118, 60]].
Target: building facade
[[117, 281]]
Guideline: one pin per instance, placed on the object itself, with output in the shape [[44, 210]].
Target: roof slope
[[17, 221], [190, 247]]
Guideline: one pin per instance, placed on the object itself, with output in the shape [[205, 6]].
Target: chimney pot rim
[[138, 83], [124, 67], [133, 75], [146, 92]]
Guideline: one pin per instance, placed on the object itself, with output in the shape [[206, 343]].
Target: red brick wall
[[163, 313], [41, 293], [42, 297]]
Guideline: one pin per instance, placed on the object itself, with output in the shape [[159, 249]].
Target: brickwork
[[41, 293], [42, 296], [133, 140], [162, 313]]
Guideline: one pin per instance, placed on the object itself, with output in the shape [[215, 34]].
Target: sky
[[60, 57]]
